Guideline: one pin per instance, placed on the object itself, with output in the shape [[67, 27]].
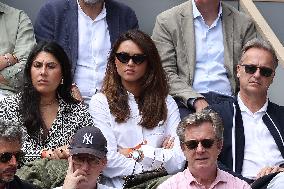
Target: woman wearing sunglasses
[[45, 106], [135, 112]]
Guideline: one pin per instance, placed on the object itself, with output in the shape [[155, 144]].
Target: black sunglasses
[[206, 143], [125, 57], [264, 71], [7, 156]]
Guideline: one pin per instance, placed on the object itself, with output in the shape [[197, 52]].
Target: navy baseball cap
[[89, 140]]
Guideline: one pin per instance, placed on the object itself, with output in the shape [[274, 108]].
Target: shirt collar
[[244, 108], [196, 12], [220, 177], [101, 16]]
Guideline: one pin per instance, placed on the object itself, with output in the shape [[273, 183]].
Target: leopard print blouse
[[70, 118]]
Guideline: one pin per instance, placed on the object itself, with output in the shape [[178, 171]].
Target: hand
[[13, 59], [76, 93], [168, 142], [268, 170], [125, 151], [7, 57], [58, 153], [73, 179], [199, 104]]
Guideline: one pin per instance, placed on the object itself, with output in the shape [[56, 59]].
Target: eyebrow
[[46, 62]]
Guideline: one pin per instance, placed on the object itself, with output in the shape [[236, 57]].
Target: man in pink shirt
[[201, 138]]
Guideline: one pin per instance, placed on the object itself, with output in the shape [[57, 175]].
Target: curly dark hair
[[30, 97], [154, 86]]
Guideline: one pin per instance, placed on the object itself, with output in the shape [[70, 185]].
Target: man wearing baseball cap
[[88, 151]]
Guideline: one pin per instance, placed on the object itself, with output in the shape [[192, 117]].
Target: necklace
[[49, 103]]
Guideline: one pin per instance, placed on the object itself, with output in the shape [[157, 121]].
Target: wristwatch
[[136, 155]]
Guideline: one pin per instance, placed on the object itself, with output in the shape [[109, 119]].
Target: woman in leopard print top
[[45, 106]]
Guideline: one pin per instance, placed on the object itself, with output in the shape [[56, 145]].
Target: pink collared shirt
[[185, 180]]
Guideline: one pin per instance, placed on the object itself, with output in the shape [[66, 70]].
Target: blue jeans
[[211, 98]]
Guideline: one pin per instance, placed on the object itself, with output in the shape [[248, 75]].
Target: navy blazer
[[273, 119], [57, 21]]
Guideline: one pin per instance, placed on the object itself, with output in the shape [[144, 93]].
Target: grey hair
[[196, 119], [10, 131], [259, 44]]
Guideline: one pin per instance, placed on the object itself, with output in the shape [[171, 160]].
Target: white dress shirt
[[130, 134], [260, 147], [210, 74], [93, 50]]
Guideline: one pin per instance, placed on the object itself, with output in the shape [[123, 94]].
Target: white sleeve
[[174, 159], [118, 164]]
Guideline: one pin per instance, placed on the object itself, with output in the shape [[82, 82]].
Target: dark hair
[[154, 86], [30, 97]]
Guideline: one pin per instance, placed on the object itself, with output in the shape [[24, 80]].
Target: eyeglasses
[[125, 57], [7, 156], [264, 71], [206, 143], [80, 159]]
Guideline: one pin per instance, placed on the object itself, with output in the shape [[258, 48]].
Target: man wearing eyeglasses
[[11, 139], [88, 151], [254, 130], [201, 139]]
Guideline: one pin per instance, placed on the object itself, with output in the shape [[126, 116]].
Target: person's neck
[[209, 11], [205, 177], [48, 100], [253, 103], [91, 10], [133, 89]]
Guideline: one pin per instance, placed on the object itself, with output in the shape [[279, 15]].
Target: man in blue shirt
[[199, 43]]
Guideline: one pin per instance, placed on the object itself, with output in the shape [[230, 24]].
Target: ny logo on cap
[[88, 139]]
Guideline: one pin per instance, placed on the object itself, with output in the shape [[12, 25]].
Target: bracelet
[[14, 56], [7, 59]]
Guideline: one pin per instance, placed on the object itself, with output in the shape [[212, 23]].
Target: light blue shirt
[[210, 73]]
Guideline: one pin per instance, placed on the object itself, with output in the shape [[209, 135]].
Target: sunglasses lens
[[138, 58], [266, 72], [7, 156], [207, 143], [192, 144], [250, 69], [123, 57]]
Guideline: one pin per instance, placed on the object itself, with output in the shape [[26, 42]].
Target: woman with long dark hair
[[45, 106], [135, 112]]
